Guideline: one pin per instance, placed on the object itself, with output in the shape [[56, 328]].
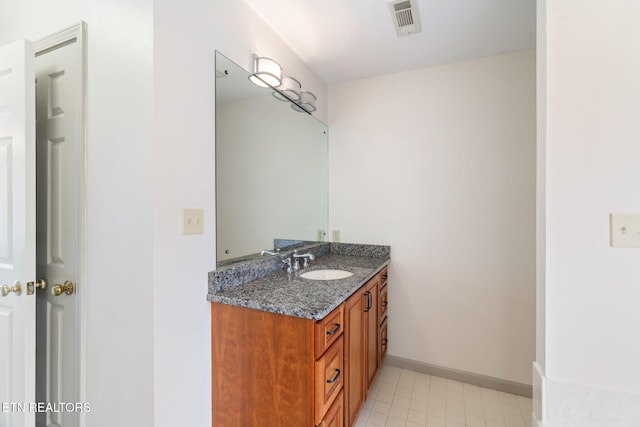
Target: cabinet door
[[355, 351], [372, 329]]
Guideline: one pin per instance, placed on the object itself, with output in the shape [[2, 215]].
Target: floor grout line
[[404, 398]]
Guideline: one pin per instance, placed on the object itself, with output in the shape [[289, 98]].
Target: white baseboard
[[462, 376], [569, 404], [538, 392]]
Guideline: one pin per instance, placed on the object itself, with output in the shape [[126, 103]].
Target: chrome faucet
[[269, 252], [293, 264], [307, 257]]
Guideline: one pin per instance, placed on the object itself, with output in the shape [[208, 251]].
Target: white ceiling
[[351, 39]]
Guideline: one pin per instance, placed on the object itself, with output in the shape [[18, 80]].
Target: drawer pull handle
[[334, 330], [368, 306], [385, 303], [335, 378], [385, 341]]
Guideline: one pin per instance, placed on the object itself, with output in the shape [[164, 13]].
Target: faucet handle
[[287, 261]]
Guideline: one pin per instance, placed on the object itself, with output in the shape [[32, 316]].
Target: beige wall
[[439, 163]]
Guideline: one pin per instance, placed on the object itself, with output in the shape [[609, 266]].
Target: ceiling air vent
[[405, 17]]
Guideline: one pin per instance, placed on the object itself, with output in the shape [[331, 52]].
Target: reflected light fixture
[[266, 72], [307, 103], [290, 87]]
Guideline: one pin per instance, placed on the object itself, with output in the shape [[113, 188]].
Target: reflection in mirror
[[271, 170]]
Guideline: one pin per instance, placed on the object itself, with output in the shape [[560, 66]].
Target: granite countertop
[[291, 295]]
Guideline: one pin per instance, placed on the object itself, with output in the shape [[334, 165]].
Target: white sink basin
[[326, 274]]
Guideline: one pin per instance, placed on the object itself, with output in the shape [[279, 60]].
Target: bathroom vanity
[[289, 351]]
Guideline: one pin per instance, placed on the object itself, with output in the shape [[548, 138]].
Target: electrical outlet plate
[[335, 236], [320, 236], [625, 230], [192, 221]]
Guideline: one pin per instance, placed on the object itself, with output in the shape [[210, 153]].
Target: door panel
[[6, 359], [58, 159], [6, 242], [17, 225]]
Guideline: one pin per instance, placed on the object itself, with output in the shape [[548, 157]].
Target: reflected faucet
[[269, 252]]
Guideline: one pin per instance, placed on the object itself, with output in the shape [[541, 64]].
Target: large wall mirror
[[271, 169]]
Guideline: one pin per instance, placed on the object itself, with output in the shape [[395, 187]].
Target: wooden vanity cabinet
[[270, 369], [275, 370]]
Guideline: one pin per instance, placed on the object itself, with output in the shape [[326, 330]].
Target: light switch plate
[[625, 230], [192, 221], [335, 236]]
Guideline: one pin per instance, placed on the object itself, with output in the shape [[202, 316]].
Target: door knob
[[16, 288], [68, 288]]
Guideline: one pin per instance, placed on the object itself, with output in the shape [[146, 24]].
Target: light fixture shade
[[290, 87], [307, 103], [266, 72]]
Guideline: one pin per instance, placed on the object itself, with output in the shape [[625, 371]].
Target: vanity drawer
[[335, 415], [328, 379], [384, 340], [328, 330]]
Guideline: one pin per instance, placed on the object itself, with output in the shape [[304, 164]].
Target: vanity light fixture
[[266, 72], [289, 90], [307, 103]]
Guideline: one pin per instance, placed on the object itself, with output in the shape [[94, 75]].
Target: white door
[[58, 109], [17, 234]]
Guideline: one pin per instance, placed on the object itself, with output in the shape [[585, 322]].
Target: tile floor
[[400, 397]]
